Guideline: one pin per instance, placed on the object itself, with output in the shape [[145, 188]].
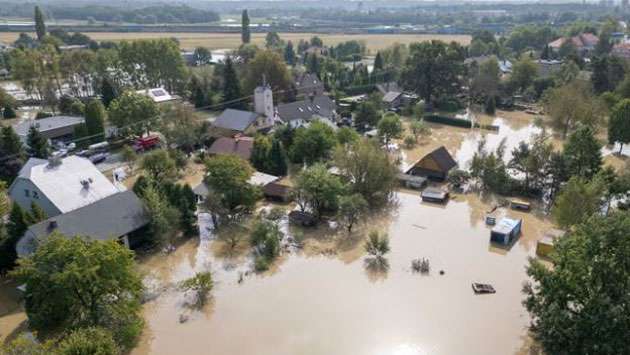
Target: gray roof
[[387, 87], [391, 96], [235, 120], [308, 82], [321, 106], [109, 218], [47, 124]]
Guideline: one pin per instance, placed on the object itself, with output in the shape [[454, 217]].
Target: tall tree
[[585, 290], [289, 54], [37, 144], [95, 116], [277, 158], [570, 105], [73, 282], [578, 200], [524, 73], [582, 153], [40, 26], [108, 92], [133, 113], [317, 189], [619, 124], [246, 35], [11, 154], [389, 127], [351, 209], [312, 144], [232, 95], [268, 66], [378, 62], [228, 176], [15, 229], [433, 69]]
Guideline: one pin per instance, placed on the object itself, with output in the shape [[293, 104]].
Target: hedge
[[458, 122]]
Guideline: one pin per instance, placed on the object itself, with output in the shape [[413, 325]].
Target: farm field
[[190, 40]]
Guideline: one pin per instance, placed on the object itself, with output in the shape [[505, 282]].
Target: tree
[[619, 124], [277, 159], [40, 26], [26, 345], [108, 92], [377, 244], [272, 40], [571, 104], [11, 154], [485, 81], [36, 215], [289, 54], [228, 176], [37, 144], [389, 127], [317, 190], [95, 116], [202, 55], [378, 62], [182, 127], [245, 31], [268, 67], [351, 209], [582, 153], [133, 113], [371, 171], [585, 290], [313, 143], [347, 135], [265, 239], [9, 112], [231, 88], [367, 115], [72, 282], [260, 152], [201, 284], [164, 217], [577, 201], [418, 128], [159, 165], [91, 340], [433, 69], [524, 73]]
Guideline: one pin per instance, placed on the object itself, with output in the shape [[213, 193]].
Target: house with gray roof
[[232, 122], [111, 218], [309, 84], [53, 128], [60, 185], [300, 113]]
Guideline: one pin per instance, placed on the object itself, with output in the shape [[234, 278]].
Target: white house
[[60, 185]]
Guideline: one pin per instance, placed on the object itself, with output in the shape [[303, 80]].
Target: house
[[258, 179], [506, 231], [584, 43], [278, 190], [392, 100], [548, 68], [309, 84], [384, 88], [621, 50], [59, 186], [434, 195], [53, 128], [113, 217], [434, 165], [300, 113], [232, 121], [158, 95], [412, 182], [239, 145]]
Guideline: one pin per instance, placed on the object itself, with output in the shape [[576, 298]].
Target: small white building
[[158, 95]]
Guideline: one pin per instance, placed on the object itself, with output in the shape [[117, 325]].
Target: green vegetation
[[318, 190], [265, 239], [201, 284]]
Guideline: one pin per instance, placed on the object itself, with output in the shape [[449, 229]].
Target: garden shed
[[506, 231]]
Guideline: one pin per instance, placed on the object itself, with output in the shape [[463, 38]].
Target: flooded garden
[[321, 296]]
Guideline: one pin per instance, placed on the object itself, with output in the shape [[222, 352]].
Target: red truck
[[146, 143]]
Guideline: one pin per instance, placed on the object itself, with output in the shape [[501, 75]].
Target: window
[[27, 193], [35, 195]]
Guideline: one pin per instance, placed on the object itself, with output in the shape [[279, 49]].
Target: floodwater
[[322, 302]]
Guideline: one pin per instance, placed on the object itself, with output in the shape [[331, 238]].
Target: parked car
[[98, 158]]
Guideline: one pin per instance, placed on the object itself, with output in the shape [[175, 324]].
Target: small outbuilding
[[545, 246], [435, 165], [241, 146], [412, 182], [506, 231], [520, 205]]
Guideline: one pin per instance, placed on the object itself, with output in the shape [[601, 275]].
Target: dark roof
[[308, 82], [109, 218], [305, 109], [241, 146], [235, 120], [276, 189], [442, 158]]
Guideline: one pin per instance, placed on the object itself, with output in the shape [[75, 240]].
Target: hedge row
[[458, 122]]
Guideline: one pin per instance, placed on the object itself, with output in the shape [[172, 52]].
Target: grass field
[[191, 40]]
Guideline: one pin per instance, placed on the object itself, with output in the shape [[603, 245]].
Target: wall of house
[[18, 194]]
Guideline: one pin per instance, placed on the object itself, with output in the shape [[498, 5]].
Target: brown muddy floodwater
[[332, 304]]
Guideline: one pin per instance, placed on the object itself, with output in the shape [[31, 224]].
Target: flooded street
[[326, 304]]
